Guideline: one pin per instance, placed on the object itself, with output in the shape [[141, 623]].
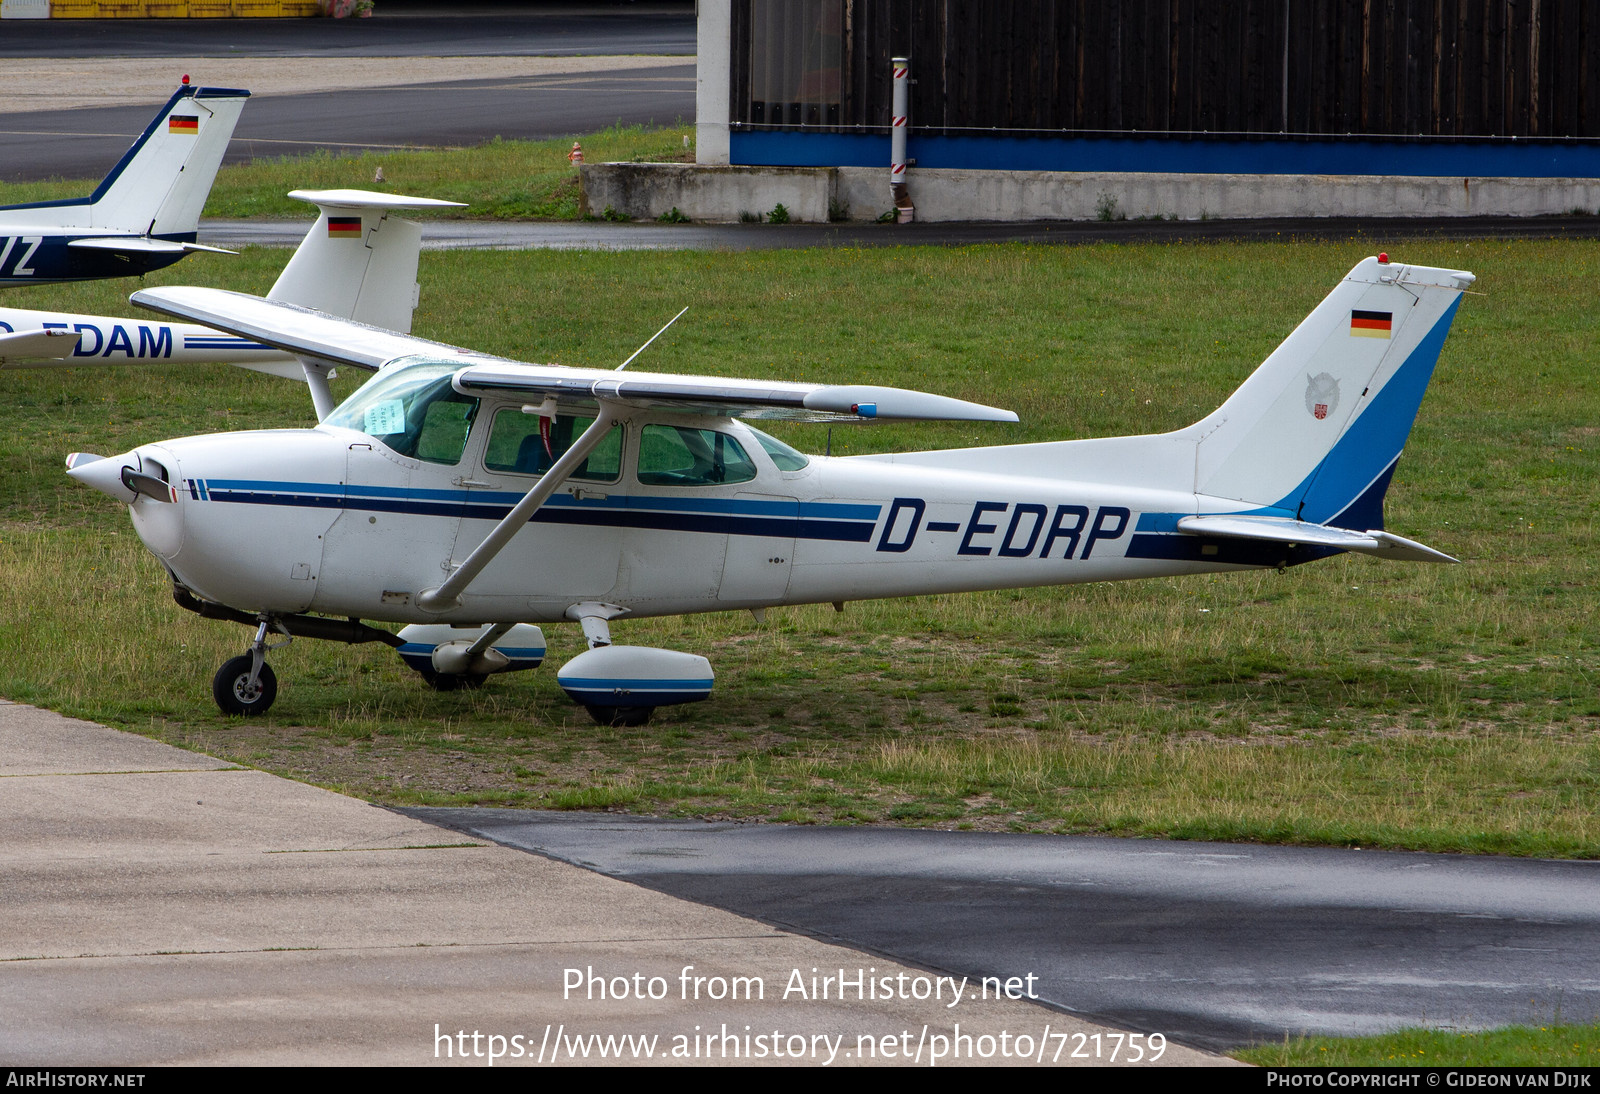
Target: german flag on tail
[[344, 227], [183, 123], [1371, 324]]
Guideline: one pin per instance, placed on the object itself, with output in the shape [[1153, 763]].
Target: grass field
[[1514, 1046], [1346, 702], [523, 180]]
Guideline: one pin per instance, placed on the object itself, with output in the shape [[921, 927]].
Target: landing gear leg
[[247, 684]]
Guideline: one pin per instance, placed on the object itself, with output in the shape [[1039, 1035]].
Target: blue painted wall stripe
[[1441, 157]]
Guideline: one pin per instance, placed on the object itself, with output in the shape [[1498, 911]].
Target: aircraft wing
[[1283, 530], [339, 341], [144, 245], [724, 397], [294, 329]]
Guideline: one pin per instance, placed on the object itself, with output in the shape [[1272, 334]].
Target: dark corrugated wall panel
[[1380, 67]]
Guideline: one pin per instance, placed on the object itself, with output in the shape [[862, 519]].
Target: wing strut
[[317, 380], [448, 596]]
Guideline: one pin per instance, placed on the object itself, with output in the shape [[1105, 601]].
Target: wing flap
[[1377, 543]]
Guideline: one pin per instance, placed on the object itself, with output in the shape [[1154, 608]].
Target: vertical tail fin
[[160, 185], [1315, 432], [358, 262]]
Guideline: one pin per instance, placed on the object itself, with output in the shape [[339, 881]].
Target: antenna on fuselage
[[653, 337]]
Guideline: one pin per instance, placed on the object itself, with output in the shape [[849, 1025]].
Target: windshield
[[413, 410]]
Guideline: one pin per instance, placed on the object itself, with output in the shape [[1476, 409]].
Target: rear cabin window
[[675, 455], [516, 448]]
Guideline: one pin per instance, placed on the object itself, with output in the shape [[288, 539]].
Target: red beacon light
[[185, 79], [1383, 257]]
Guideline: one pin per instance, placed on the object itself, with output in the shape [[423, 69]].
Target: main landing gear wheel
[[451, 681], [620, 716], [234, 692]]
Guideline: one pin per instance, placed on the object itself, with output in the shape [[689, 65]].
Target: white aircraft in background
[[143, 215], [473, 498], [373, 282]]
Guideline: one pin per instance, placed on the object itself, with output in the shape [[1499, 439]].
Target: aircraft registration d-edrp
[[143, 215], [473, 498]]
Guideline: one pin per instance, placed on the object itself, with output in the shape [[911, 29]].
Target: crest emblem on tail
[[1322, 395]]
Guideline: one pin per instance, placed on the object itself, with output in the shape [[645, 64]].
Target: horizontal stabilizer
[[145, 245], [1378, 543], [37, 345], [370, 199]]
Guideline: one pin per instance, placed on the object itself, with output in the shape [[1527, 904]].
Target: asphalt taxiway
[[1216, 945], [355, 105]]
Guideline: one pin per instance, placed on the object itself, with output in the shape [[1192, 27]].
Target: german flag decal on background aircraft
[[143, 215]]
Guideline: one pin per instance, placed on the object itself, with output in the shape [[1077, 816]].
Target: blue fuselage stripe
[[849, 523]]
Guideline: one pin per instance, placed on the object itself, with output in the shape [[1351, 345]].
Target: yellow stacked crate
[[74, 9]]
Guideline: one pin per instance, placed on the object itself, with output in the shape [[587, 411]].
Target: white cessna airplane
[[143, 215], [473, 498]]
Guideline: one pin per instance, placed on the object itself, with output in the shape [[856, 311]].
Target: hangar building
[[1189, 108]]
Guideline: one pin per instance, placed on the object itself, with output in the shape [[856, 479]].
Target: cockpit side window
[[516, 447], [675, 455], [442, 434]]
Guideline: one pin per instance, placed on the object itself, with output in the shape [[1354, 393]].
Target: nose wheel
[[246, 684], [240, 688]]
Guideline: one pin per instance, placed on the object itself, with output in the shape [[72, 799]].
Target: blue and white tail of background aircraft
[[144, 215], [367, 273], [473, 497]]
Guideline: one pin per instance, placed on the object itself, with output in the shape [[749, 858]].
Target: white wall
[[713, 79]]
